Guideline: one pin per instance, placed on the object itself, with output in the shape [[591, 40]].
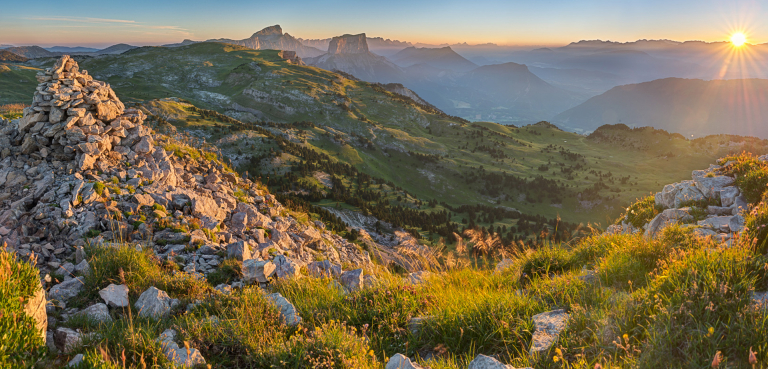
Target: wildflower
[[710, 331], [555, 358], [716, 360], [752, 357], [626, 338], [598, 366]]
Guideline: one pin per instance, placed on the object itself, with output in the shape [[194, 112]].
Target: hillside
[[686, 106], [538, 170], [512, 89], [442, 58], [7, 56], [31, 52]]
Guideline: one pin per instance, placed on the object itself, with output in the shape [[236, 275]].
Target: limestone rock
[[548, 328], [66, 339], [400, 361], [153, 303], [352, 280], [75, 360], [98, 312], [66, 290], [323, 269], [287, 310], [285, 267], [711, 186], [179, 355], [487, 362], [257, 271], [239, 250], [115, 295]]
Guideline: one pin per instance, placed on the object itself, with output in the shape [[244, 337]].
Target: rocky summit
[[348, 44], [79, 167]]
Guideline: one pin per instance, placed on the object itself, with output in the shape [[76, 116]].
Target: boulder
[[97, 312], [287, 311], [285, 267], [400, 361], [239, 250], [728, 195], [75, 361], [548, 327], [352, 280], [718, 224], [418, 277], [487, 362], [257, 271], [66, 339], [323, 269], [667, 218], [115, 295], [179, 356], [153, 303], [66, 290], [709, 185]]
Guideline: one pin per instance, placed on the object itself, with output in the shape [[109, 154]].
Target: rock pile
[[724, 216]]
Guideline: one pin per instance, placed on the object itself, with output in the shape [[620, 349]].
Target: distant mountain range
[[442, 58], [688, 106], [32, 52]]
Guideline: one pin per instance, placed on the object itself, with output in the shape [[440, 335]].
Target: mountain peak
[[348, 44], [269, 31]]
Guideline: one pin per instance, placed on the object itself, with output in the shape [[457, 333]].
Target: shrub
[[641, 212], [99, 187], [21, 342], [228, 270]]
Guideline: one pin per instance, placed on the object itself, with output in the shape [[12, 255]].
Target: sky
[[511, 22]]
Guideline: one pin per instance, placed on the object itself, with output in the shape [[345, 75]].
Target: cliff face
[[275, 30], [348, 44]]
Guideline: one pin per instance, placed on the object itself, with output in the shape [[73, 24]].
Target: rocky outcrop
[[273, 38], [348, 44], [722, 221]]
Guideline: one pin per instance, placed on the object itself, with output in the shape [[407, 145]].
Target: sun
[[738, 39]]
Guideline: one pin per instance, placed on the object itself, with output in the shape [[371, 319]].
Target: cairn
[[76, 117]]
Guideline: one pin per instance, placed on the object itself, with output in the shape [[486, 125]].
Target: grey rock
[[285, 267], [115, 295], [487, 362], [257, 271], [418, 277], [66, 290], [66, 339], [710, 187], [548, 327], [352, 280], [179, 355], [75, 360], [323, 269], [83, 268], [287, 310], [728, 195], [153, 303], [667, 218], [400, 361], [239, 250], [97, 312]]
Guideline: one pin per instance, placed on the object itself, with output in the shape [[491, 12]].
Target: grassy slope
[[297, 93]]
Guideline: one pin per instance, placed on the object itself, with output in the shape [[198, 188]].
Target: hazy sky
[[530, 22]]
